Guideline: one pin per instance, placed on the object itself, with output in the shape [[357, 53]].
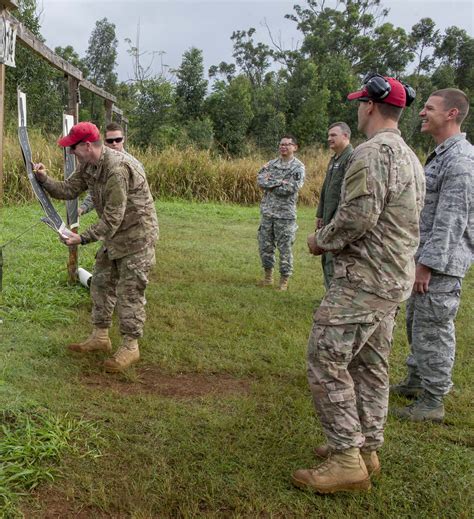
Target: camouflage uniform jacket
[[281, 182], [375, 231], [447, 220], [331, 190], [87, 204], [122, 198]]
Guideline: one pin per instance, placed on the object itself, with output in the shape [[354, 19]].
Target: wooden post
[[2, 111], [73, 109], [109, 106]]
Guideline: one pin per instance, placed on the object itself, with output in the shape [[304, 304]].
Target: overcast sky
[[174, 26]]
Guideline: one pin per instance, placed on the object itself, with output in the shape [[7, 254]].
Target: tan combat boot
[[283, 285], [125, 356], [98, 340], [342, 471], [370, 458], [267, 280]]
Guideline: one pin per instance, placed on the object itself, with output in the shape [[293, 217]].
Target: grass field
[[218, 414]]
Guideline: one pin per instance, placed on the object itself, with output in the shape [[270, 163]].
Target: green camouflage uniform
[[329, 200], [374, 235], [281, 182], [128, 229]]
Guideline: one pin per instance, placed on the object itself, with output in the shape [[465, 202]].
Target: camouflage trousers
[[348, 352], [327, 262], [431, 334], [277, 233], [121, 284]]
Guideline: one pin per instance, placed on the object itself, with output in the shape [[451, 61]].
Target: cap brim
[[67, 141], [357, 95]]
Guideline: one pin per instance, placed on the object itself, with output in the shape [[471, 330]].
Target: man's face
[[362, 116], [114, 140], [337, 140], [287, 147], [434, 115], [82, 151]]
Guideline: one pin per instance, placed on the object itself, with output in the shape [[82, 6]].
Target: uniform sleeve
[[87, 204], [362, 199], [67, 189], [291, 183], [451, 217], [320, 210], [115, 193], [266, 179]]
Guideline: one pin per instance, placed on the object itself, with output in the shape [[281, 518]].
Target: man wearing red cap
[[373, 236], [128, 229]]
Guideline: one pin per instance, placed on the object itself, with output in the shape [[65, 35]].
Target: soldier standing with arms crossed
[[374, 235], [280, 179], [128, 229], [443, 258], [339, 136]]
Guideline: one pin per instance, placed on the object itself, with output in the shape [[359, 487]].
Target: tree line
[[266, 91]]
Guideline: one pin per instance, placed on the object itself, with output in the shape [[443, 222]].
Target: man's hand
[[312, 246], [80, 211], [319, 223], [40, 172], [70, 239], [422, 279]]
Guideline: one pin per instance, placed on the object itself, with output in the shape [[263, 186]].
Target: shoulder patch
[[356, 184]]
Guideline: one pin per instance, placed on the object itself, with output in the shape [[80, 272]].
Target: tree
[[100, 60], [191, 86], [230, 108], [253, 59]]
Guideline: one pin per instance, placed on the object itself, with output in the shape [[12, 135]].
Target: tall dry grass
[[189, 174]]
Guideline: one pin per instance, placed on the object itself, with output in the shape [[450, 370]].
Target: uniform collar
[[346, 151], [445, 145]]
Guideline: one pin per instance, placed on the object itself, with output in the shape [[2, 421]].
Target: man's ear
[[453, 113]]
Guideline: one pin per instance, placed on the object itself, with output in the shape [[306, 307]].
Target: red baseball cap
[[80, 132], [396, 97]]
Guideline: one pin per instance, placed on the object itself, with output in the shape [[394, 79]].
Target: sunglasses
[[73, 147], [115, 139]]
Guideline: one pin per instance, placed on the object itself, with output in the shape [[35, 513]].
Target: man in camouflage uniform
[[374, 236], [339, 136], [128, 229], [113, 139], [443, 258], [280, 179]]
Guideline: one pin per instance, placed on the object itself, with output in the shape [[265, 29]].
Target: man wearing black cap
[[373, 236], [128, 229]]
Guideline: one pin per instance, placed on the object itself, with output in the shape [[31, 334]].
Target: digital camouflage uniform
[[281, 182], [447, 247], [374, 235], [128, 229], [87, 204], [329, 200]]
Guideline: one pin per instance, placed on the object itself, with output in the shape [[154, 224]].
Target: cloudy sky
[[173, 26]]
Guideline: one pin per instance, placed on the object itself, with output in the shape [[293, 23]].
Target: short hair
[[113, 127], [454, 98], [390, 111], [343, 126], [289, 136]]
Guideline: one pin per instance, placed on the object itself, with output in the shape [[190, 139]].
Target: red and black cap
[[381, 89], [80, 132]]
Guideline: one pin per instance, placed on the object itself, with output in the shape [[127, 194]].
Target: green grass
[[218, 454]]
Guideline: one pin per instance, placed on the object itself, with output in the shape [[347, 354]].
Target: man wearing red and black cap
[[373, 236], [128, 230]]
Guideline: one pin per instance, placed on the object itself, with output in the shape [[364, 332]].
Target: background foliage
[[265, 91]]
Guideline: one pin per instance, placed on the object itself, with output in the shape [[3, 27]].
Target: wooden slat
[[28, 39], [9, 4], [97, 90]]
